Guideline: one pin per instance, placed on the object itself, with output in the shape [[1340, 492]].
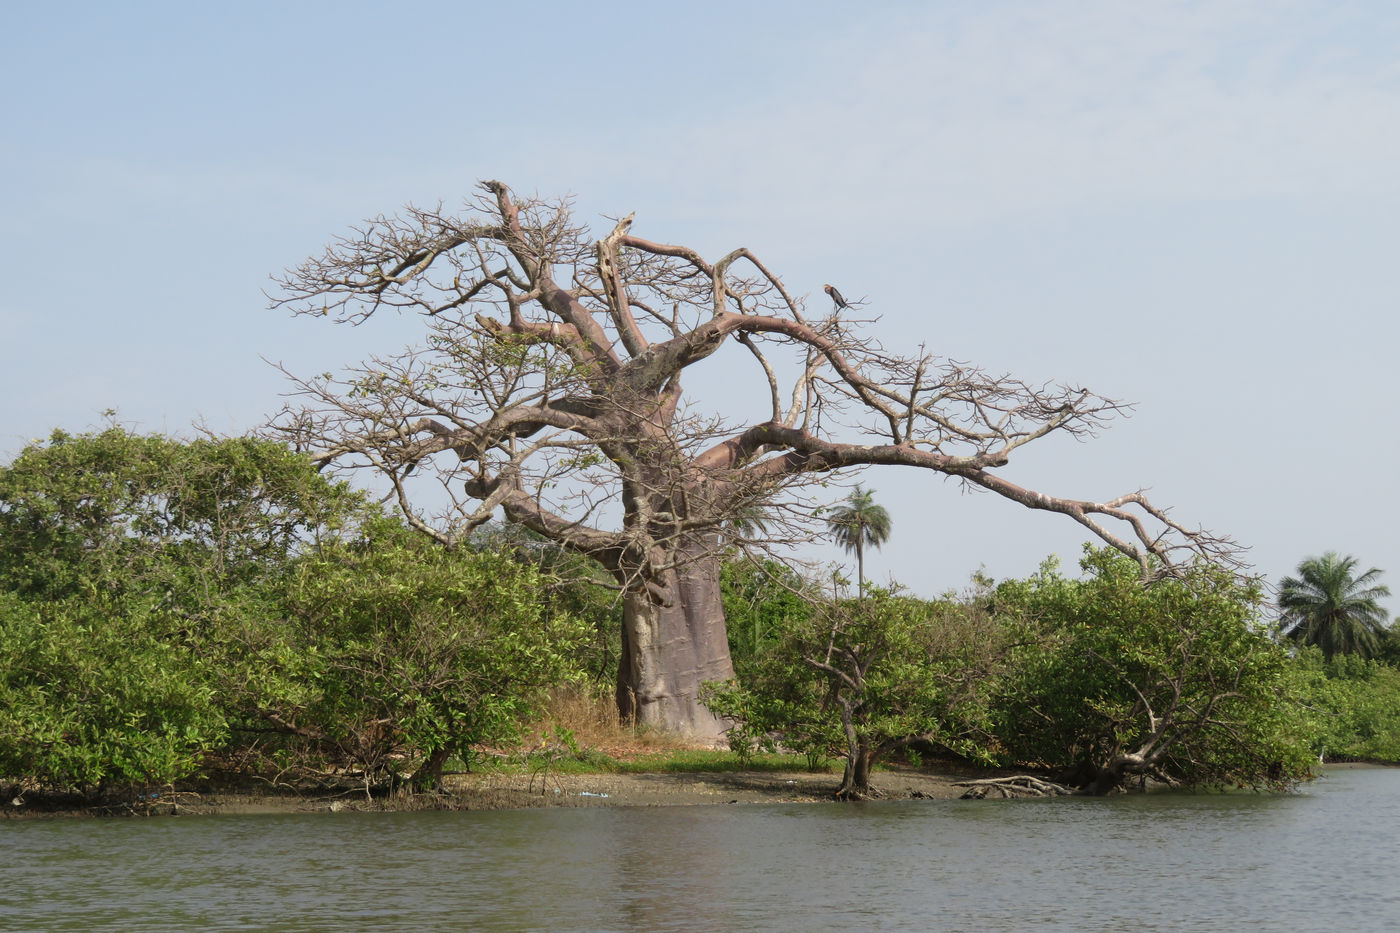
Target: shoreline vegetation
[[604, 764], [182, 621]]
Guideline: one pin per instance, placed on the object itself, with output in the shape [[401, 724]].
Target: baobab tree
[[549, 390]]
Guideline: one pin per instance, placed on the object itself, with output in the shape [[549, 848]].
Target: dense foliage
[[566, 584], [763, 600], [1175, 680], [1099, 680], [165, 603], [1353, 704], [93, 692], [121, 558], [861, 678], [416, 648]]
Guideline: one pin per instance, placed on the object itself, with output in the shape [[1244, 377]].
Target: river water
[[1327, 858]]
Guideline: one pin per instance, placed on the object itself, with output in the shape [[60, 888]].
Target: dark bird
[[835, 296]]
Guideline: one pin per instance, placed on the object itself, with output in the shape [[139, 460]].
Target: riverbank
[[510, 791], [517, 791]]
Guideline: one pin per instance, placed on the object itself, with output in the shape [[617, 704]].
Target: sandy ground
[[519, 791], [661, 790]]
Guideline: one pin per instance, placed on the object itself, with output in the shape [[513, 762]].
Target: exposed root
[[1022, 785], [869, 792]]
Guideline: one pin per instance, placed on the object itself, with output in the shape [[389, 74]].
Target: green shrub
[[1175, 679], [94, 695], [1353, 703]]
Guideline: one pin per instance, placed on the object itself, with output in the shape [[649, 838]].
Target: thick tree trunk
[[669, 650], [1112, 775], [855, 782], [428, 775]]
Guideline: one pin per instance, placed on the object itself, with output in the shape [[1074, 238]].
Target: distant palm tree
[[857, 523], [747, 519], [1325, 605]]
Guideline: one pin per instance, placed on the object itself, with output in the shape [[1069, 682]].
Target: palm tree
[[749, 518], [857, 523], [1325, 605]]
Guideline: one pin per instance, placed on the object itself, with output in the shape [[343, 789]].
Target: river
[[1325, 858]]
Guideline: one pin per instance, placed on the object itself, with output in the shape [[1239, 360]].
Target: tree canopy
[[862, 678], [136, 570], [164, 603], [1176, 680], [115, 510]]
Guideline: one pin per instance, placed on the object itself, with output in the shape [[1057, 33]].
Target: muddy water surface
[[1324, 859]]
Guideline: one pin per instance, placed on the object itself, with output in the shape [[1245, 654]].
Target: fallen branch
[[1022, 785]]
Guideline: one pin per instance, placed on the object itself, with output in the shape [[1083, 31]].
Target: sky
[[1194, 206]]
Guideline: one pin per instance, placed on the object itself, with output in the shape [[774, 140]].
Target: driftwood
[[1022, 785]]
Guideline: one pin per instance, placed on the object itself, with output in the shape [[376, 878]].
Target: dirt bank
[[690, 789], [519, 791]]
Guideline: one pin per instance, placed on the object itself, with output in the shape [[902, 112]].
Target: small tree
[[858, 523], [1327, 605], [860, 679], [1176, 680]]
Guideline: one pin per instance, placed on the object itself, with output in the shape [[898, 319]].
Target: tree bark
[[1120, 766], [428, 775], [855, 781], [860, 569], [670, 648]]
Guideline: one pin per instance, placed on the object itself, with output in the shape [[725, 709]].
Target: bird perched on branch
[[835, 296]]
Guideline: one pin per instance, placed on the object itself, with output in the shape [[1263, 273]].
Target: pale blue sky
[[1192, 205]]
